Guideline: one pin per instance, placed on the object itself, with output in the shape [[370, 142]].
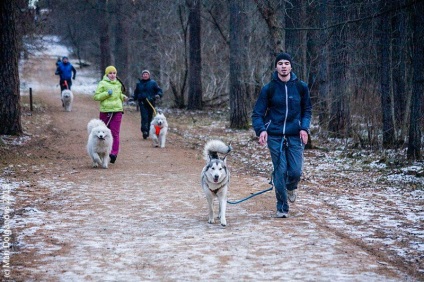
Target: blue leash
[[251, 196]]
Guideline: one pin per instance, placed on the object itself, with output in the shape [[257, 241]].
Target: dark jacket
[[65, 71], [284, 112], [147, 89]]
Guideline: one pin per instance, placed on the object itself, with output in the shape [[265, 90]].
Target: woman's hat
[[110, 69]]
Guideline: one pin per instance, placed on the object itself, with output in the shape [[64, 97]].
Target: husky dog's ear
[[224, 159], [230, 148]]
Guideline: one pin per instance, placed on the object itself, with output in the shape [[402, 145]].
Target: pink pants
[[113, 121]]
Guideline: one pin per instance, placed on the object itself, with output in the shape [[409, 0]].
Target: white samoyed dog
[[99, 144], [215, 178], [67, 99], [159, 130]]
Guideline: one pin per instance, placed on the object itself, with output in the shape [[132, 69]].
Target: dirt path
[[145, 218]]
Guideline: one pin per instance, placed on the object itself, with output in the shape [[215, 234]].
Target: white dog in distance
[[99, 144], [215, 178], [159, 130], [67, 99]]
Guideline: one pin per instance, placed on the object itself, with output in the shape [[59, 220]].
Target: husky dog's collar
[[224, 182], [216, 190]]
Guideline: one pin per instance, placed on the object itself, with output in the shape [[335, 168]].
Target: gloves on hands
[[110, 92], [73, 77], [157, 97]]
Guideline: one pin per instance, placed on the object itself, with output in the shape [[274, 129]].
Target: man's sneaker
[[145, 134], [291, 195], [281, 214], [112, 158]]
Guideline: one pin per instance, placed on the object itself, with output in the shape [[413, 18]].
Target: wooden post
[[30, 99]]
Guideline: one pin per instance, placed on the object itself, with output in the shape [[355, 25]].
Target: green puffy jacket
[[109, 103]]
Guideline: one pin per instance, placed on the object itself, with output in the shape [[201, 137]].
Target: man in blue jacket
[[281, 118], [66, 71], [146, 93]]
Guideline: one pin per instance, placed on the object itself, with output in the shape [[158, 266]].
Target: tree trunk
[[195, 66], [297, 40], [104, 31], [273, 12], [322, 61], [304, 41], [400, 95], [414, 144], [238, 73], [122, 47], [339, 123], [386, 101], [10, 109]]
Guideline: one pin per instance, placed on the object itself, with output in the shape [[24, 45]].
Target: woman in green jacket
[[111, 94]]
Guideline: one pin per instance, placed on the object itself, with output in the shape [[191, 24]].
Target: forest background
[[363, 60]]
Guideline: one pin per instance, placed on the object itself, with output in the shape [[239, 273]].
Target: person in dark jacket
[[281, 118], [67, 72], [146, 93]]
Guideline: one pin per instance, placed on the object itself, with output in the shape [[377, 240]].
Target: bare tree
[[104, 31], [400, 93], [178, 82], [238, 54], [10, 110], [414, 145], [386, 101], [339, 123], [273, 12], [195, 66], [123, 12], [322, 102], [297, 37]]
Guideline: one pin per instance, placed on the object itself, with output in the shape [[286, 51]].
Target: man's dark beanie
[[282, 56]]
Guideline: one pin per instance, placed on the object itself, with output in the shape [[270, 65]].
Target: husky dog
[[215, 178], [67, 99], [159, 130], [99, 144]]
